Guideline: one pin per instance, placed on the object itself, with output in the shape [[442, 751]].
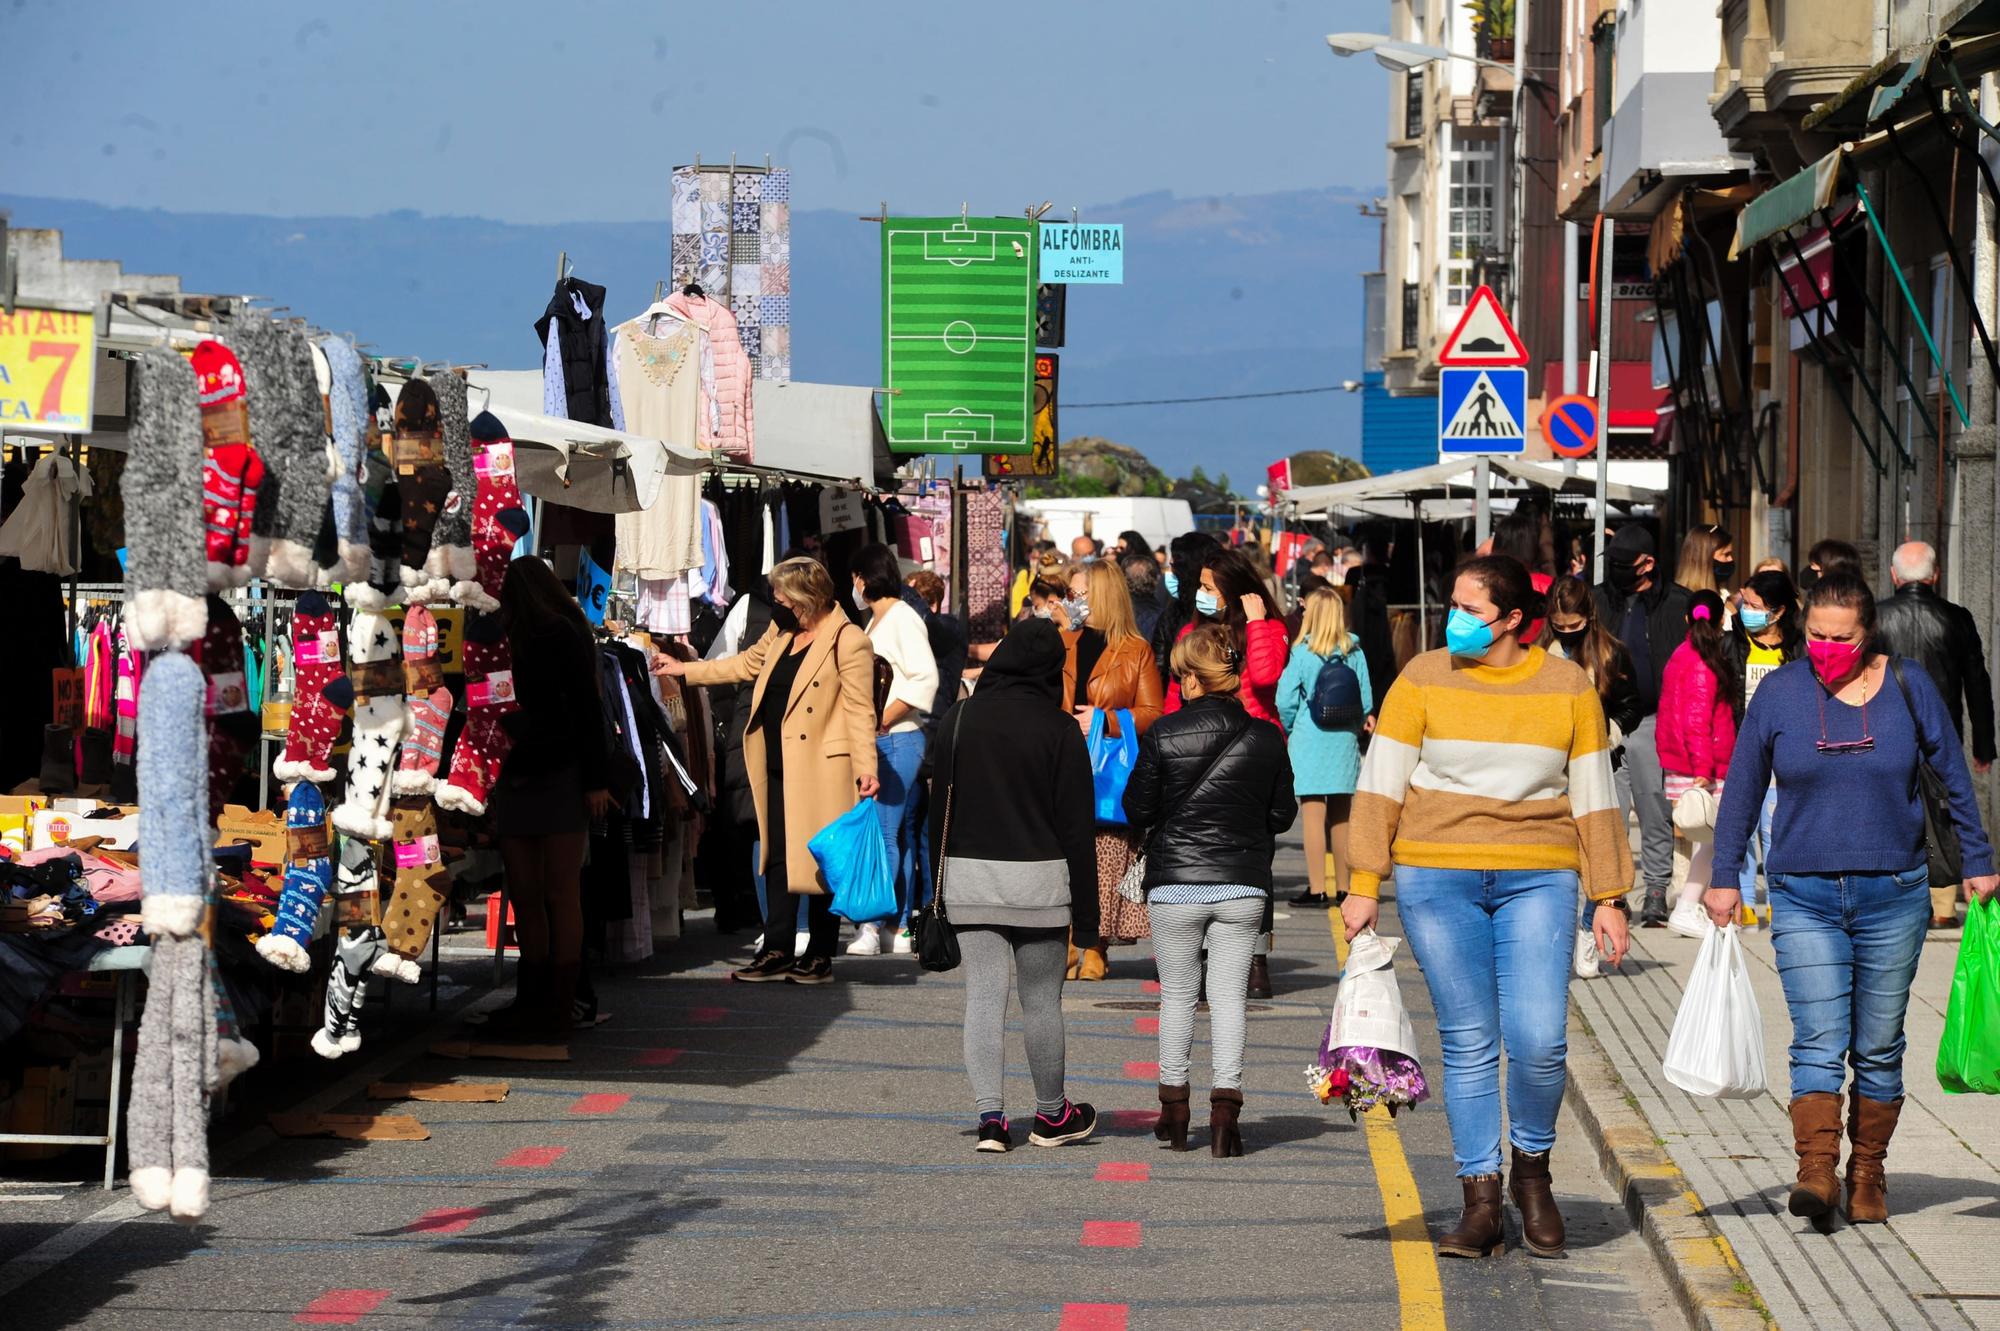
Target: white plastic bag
[[1717, 1045], [1368, 1008]]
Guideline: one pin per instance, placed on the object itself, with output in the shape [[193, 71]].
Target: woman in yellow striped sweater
[[1487, 792]]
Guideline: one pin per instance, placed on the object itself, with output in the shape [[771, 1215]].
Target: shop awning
[[1392, 494], [1787, 203], [568, 462], [829, 430]]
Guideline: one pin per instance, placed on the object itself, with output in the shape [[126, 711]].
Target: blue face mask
[[1753, 621], [1173, 584], [1206, 604], [1465, 634]]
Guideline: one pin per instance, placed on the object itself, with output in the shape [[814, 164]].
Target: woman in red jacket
[[1699, 696], [1232, 594]]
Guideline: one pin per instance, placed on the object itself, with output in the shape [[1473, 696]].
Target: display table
[[126, 962]]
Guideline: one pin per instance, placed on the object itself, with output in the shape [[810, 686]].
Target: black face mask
[[786, 621], [1624, 577], [1572, 643], [1725, 569]]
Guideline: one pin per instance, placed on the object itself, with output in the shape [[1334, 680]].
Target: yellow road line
[[1419, 1290]]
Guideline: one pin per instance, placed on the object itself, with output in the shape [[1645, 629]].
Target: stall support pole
[[1483, 510], [121, 1012], [1423, 594], [1608, 243]]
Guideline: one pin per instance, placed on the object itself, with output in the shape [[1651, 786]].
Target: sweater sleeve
[[905, 644], [1593, 803], [1937, 737], [1292, 689], [1076, 828], [1743, 794], [1385, 783]]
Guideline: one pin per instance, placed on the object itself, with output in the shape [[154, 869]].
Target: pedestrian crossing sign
[[1482, 410]]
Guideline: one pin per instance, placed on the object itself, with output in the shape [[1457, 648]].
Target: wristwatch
[[1618, 903]]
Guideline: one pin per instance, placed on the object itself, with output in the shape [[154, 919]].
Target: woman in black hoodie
[[1014, 828]]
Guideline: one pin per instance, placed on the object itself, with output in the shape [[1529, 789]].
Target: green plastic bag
[[1969, 1054]]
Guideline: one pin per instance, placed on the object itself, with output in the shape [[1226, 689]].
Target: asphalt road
[[733, 1155]]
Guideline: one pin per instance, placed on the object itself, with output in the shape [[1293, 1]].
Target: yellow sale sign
[[47, 358]]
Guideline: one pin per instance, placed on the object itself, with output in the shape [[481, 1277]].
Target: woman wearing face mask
[[809, 749], [1576, 634], [1708, 560], [1843, 731], [899, 636], [1232, 593], [1700, 696], [1181, 579], [1767, 636], [1487, 792]]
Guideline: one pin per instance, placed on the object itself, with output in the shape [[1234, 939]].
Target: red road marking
[[705, 1015], [1149, 987], [1142, 1119], [532, 1157], [1123, 1171], [341, 1307], [1146, 1025], [599, 1104], [446, 1220], [659, 1058], [1110, 1234], [1138, 1071], [1092, 1317]]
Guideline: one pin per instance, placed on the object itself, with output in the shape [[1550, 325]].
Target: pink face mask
[[1834, 662]]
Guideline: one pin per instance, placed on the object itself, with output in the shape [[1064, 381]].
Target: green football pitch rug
[[958, 321]]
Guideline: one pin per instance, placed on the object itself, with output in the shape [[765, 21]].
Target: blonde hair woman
[[1326, 762], [809, 749], [1124, 679], [1708, 560], [1211, 791]]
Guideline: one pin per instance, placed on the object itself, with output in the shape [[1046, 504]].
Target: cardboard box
[[264, 830], [53, 827], [17, 820]]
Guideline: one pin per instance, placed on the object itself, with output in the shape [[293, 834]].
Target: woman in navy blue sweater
[[1843, 732]]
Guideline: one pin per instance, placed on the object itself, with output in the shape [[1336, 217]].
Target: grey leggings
[[1229, 930], [1040, 957]]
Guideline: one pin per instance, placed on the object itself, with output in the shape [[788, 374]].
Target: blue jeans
[[898, 756], [1847, 951], [1760, 842], [1494, 945]]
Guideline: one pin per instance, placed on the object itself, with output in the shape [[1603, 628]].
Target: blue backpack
[[1336, 696]]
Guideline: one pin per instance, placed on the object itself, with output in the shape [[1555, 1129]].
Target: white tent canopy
[[1445, 487], [569, 462]]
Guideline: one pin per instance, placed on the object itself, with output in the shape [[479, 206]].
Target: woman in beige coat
[[815, 688]]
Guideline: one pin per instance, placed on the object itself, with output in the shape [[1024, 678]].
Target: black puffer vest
[[585, 383]]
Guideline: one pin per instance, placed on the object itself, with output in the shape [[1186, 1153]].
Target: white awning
[[829, 430], [569, 462], [1451, 483]]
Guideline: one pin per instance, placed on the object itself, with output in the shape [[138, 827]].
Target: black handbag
[[1941, 849], [930, 928]]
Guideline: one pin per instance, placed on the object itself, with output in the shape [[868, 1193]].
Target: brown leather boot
[[1092, 963], [1541, 1222], [1224, 1108], [1173, 1125], [1870, 1124], [1816, 1134], [1478, 1232]]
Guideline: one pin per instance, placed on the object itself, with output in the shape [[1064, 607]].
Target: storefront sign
[[68, 709], [839, 511], [1083, 253], [47, 358]]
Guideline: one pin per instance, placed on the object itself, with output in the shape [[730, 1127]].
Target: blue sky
[[575, 109]]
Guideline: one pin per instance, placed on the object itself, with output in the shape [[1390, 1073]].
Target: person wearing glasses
[[1843, 731]]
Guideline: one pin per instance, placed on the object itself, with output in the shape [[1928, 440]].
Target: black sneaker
[[1311, 900], [994, 1135], [1653, 912], [1076, 1124], [768, 966], [818, 970]]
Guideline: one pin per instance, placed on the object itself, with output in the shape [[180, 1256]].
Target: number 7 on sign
[[64, 352]]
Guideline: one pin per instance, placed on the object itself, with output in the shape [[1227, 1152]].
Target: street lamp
[[1397, 56]]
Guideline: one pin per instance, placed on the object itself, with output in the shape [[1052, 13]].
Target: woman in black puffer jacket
[[1211, 791]]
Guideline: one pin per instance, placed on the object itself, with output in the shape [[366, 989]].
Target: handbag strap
[[950, 783], [1903, 689]]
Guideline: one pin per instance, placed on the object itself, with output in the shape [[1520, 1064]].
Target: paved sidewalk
[[1928, 1267]]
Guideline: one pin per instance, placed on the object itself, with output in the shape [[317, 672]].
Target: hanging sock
[[308, 874], [316, 717], [451, 558], [489, 696], [422, 885], [422, 483], [166, 569], [498, 518], [374, 687]]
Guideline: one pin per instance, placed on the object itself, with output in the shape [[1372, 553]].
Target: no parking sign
[[1569, 424]]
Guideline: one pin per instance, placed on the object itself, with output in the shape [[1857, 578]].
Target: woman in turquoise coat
[[1325, 763]]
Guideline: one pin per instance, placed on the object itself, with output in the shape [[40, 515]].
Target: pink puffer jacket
[[734, 431], [1696, 730]]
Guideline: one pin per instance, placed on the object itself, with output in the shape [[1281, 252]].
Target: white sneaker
[[1689, 920], [903, 944], [867, 943], [1589, 966]]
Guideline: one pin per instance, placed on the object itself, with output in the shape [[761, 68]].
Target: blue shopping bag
[[1112, 759], [855, 860]]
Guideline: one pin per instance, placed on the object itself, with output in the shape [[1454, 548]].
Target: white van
[[1063, 520]]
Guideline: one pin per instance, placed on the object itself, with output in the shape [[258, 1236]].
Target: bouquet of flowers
[[1367, 1056]]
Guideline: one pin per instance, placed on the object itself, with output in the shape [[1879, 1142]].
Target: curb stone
[[1700, 1266]]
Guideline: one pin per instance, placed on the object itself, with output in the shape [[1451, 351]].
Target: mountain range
[[1223, 295]]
